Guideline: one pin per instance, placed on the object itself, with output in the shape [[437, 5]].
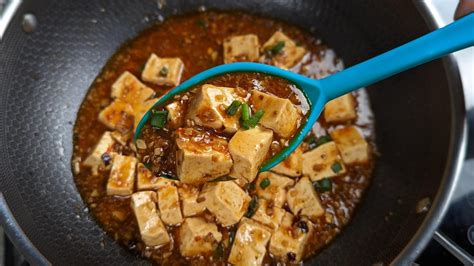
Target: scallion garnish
[[314, 143], [276, 48], [336, 167], [323, 185], [233, 107], [245, 112], [164, 71], [264, 183], [158, 118], [219, 251], [253, 206], [253, 120], [201, 23]]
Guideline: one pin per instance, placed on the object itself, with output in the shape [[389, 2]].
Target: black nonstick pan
[[45, 74]]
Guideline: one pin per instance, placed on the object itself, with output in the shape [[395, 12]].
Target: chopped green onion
[[265, 183], [158, 118], [253, 205], [219, 251], [223, 178], [164, 71], [323, 185], [251, 186], [142, 67], [253, 120], [233, 107], [336, 167], [201, 23], [314, 143], [276, 49], [245, 112]]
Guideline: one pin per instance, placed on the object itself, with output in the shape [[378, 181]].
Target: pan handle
[[8, 9]]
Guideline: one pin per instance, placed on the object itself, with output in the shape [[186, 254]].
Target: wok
[[44, 76]]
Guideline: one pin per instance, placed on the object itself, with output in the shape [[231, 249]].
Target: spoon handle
[[453, 37]]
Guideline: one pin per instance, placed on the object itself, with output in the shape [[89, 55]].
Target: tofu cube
[[152, 230], [250, 244], [118, 115], [122, 175], [130, 90], [146, 180], [208, 108], [322, 162], [168, 202], [189, 199], [163, 71], [352, 145], [289, 55], [281, 115], [241, 48], [198, 237], [292, 165], [268, 215], [105, 145], [249, 149], [303, 200], [201, 156], [341, 109], [140, 110], [226, 200], [175, 114], [291, 238], [275, 193]]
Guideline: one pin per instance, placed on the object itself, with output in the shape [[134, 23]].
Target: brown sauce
[[197, 39]]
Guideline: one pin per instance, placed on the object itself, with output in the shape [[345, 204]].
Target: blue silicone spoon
[[455, 36]]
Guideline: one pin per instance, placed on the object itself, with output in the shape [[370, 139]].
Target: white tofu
[[249, 149], [352, 145], [140, 110], [290, 240], [163, 71], [303, 200], [268, 215], [292, 165], [250, 243], [200, 156], [130, 90], [168, 202], [152, 230], [323, 162], [198, 237], [341, 109], [191, 206], [122, 175], [280, 114], [241, 48], [146, 180], [289, 55], [118, 115], [226, 200], [175, 115], [105, 145], [208, 108], [276, 191]]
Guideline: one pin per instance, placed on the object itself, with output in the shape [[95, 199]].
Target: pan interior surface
[[46, 74]]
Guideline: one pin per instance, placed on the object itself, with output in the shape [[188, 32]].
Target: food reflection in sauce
[[203, 201]]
